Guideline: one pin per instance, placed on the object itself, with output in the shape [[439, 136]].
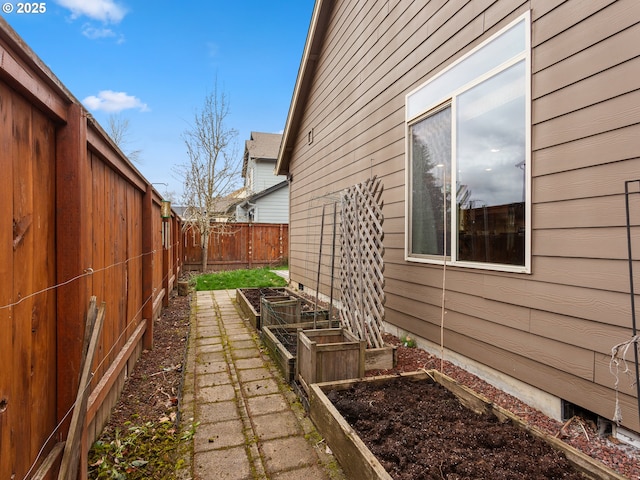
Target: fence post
[[175, 246], [73, 253], [281, 244], [166, 238], [147, 266], [250, 245]]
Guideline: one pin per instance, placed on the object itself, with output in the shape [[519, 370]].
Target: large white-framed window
[[468, 158]]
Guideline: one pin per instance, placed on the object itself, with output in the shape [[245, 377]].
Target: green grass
[[254, 278]]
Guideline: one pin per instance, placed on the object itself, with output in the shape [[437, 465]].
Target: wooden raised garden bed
[[329, 354], [250, 307], [307, 314], [377, 404], [383, 358], [249, 301], [282, 342], [281, 310]]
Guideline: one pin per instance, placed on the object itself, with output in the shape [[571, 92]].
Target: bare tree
[[212, 172], [119, 129], [170, 195]]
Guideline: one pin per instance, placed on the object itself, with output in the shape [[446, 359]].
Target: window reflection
[[490, 152], [431, 173]]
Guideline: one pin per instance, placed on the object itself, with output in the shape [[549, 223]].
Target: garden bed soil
[[248, 300], [253, 296], [272, 337], [420, 430], [579, 432], [149, 395], [288, 339]]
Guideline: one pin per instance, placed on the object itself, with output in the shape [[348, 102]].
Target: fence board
[[43, 326], [157, 253], [122, 257], [134, 265], [7, 319], [147, 265], [238, 245], [23, 245]]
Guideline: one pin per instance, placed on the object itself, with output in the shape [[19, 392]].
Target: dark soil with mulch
[[155, 384], [154, 387], [419, 430], [253, 296], [579, 432], [288, 339]]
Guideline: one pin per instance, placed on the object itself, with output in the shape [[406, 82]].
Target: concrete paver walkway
[[251, 424]]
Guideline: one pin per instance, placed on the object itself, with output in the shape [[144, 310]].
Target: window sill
[[495, 267]]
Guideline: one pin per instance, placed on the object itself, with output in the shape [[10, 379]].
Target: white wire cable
[[86, 272]]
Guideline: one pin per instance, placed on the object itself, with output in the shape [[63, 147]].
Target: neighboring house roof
[[267, 191], [261, 145], [259, 195], [313, 45], [179, 210], [223, 203]]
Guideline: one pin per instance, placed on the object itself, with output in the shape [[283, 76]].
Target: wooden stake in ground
[[69, 466]]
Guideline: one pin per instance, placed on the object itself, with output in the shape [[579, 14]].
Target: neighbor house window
[[468, 168]]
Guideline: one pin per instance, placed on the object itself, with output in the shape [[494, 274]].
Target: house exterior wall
[[273, 208], [260, 175], [552, 328], [241, 214]]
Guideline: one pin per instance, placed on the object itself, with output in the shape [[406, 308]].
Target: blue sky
[[153, 63]]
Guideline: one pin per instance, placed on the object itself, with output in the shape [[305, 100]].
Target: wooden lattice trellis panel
[[361, 273]]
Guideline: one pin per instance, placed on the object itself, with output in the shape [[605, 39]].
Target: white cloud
[[113, 102], [94, 33], [107, 11]]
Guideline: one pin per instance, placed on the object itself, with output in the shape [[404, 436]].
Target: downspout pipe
[[631, 286]]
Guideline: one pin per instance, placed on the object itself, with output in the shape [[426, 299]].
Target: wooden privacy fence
[[238, 245], [77, 219]]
